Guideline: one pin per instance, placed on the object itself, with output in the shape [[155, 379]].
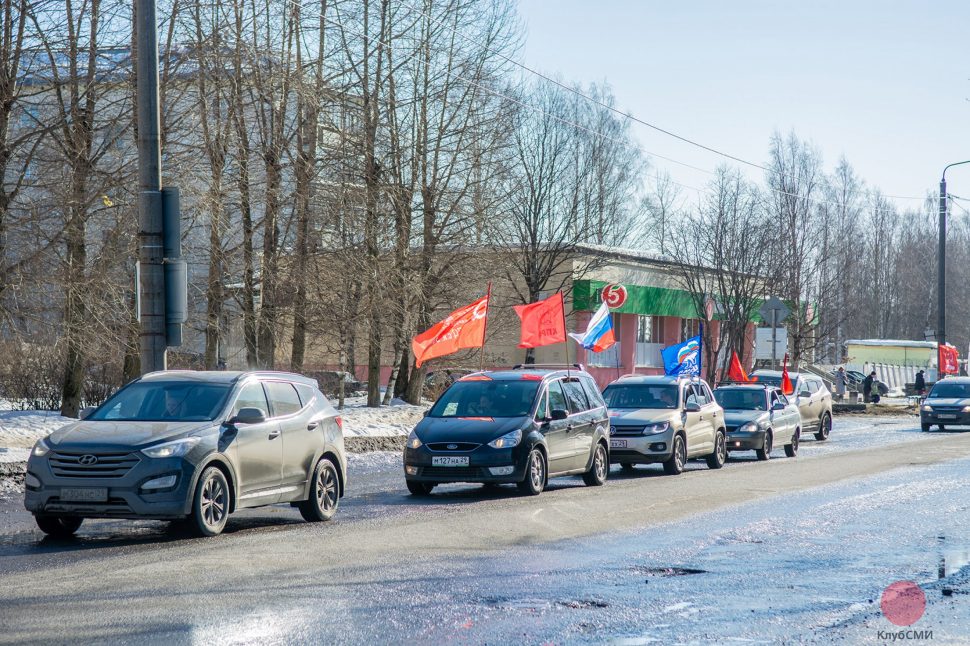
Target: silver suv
[[813, 399], [192, 446], [664, 419]]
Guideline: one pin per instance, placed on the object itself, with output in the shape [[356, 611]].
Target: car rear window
[[306, 393], [578, 402], [641, 396], [595, 397], [487, 398], [283, 398], [740, 398]]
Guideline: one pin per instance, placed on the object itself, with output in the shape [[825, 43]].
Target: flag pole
[[566, 332], [488, 304]]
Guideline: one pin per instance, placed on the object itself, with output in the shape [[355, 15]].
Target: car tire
[[824, 428], [764, 453], [58, 526], [535, 474], [791, 450], [599, 471], [678, 457], [627, 467], [717, 459], [419, 488], [324, 494], [210, 505], [925, 427]]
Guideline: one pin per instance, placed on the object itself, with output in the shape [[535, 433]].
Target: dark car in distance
[[947, 404], [192, 446], [520, 426]]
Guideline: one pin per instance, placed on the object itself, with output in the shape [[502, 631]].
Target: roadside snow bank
[[21, 428], [397, 419]]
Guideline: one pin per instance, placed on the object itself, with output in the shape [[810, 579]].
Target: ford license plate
[[617, 444], [450, 461], [84, 495]]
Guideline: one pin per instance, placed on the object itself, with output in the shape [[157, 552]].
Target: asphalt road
[[642, 559]]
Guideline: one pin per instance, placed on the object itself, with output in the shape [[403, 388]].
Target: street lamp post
[[941, 262]]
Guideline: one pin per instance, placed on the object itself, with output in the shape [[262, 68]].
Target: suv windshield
[[641, 396], [166, 401], [945, 390], [487, 398], [740, 399]]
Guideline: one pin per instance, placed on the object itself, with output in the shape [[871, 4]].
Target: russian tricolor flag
[[599, 333]]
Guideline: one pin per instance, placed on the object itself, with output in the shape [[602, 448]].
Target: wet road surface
[[792, 549]]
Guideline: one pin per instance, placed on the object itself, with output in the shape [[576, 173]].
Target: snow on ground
[[360, 464], [397, 419], [21, 428]]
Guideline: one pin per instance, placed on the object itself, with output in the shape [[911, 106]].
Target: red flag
[[949, 360], [543, 323], [736, 371], [463, 328], [786, 384]]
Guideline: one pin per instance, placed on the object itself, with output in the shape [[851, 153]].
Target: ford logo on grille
[[452, 447], [88, 459]]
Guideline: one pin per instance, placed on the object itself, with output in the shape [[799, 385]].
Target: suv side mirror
[[559, 414], [248, 416], [692, 407], [86, 412], [778, 406]]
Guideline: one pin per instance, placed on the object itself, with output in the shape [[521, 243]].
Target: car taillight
[[340, 422]]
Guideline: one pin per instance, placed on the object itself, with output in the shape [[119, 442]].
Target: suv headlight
[[653, 429], [507, 441], [750, 427], [413, 441], [40, 449], [927, 408], [175, 449]]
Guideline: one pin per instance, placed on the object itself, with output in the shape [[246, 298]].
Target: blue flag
[[684, 358]]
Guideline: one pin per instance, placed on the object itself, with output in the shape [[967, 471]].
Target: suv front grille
[[78, 465], [453, 446], [620, 431]]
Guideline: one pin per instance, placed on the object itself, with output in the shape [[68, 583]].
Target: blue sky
[[883, 82]]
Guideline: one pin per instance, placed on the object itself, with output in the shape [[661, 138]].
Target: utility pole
[[941, 262], [150, 258]]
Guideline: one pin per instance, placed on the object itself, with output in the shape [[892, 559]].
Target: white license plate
[[450, 460], [617, 444], [84, 495], [946, 416]]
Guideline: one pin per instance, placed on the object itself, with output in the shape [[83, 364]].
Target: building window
[[650, 329], [689, 328]]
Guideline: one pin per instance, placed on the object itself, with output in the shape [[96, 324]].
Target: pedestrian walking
[[840, 383], [868, 385], [920, 385]]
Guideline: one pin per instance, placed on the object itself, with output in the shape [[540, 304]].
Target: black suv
[[194, 446], [520, 426]]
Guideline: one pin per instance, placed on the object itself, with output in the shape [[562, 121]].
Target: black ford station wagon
[[520, 426]]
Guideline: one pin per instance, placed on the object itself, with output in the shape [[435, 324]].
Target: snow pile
[[21, 428], [397, 419]]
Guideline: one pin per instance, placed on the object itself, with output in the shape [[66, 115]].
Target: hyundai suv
[[664, 419], [520, 426], [192, 446]]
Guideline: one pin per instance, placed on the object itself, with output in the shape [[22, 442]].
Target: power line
[[611, 108]]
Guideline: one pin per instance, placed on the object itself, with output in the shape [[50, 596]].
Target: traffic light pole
[[150, 248]]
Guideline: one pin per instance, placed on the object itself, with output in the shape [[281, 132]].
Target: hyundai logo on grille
[[452, 447], [88, 459]]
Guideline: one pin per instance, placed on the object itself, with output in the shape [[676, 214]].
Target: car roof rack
[[558, 366]]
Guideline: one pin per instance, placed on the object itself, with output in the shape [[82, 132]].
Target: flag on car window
[[463, 328], [736, 370], [683, 358], [543, 323], [786, 385], [599, 333]]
